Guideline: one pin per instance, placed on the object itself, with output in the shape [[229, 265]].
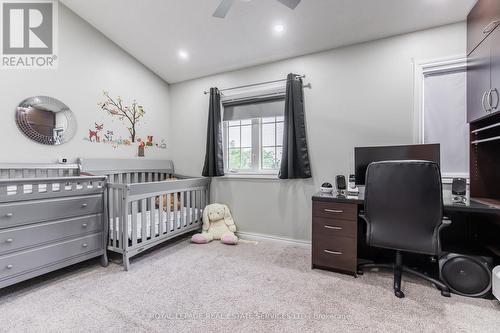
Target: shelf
[[485, 128], [475, 142]]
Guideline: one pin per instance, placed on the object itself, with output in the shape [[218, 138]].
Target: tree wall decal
[[128, 114]]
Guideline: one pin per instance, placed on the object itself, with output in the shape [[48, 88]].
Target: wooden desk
[[335, 227]]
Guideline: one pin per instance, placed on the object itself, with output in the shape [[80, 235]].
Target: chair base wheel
[[445, 293], [399, 294], [360, 272]]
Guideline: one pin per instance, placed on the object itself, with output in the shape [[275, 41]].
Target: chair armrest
[[363, 216], [446, 221]]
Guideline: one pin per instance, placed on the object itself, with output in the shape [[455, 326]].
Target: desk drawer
[[334, 210], [18, 213], [334, 227], [335, 252], [28, 236], [23, 262]]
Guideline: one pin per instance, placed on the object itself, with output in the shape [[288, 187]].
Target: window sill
[[250, 176]]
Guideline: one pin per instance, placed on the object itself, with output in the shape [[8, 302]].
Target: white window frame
[[421, 69], [257, 172]]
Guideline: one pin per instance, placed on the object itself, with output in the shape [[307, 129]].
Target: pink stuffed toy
[[217, 224]]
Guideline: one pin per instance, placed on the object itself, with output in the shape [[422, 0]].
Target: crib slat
[[143, 220], [152, 216], [134, 223], [160, 213], [195, 206], [198, 194], [111, 217], [176, 213], [118, 214], [113, 210], [204, 200], [189, 217], [200, 202], [183, 216], [169, 213]]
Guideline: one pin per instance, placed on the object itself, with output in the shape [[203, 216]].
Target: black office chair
[[404, 212]]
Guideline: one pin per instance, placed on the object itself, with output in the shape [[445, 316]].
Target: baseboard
[[261, 237]]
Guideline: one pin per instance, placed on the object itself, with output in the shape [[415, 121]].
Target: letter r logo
[[27, 28]]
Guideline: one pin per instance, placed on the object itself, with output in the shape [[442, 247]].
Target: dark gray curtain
[[295, 158], [214, 160]]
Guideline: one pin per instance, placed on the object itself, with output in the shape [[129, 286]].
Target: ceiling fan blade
[[223, 8], [290, 3]]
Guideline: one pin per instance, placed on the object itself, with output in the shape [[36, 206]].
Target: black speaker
[[466, 275], [341, 184], [459, 186]]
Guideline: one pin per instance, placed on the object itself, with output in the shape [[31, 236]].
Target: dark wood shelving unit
[[483, 115], [485, 159]]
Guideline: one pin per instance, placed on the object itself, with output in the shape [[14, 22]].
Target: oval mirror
[[45, 120]]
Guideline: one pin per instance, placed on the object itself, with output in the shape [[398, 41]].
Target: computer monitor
[[363, 156]]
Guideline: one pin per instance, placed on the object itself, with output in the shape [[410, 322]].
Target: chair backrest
[[404, 205]]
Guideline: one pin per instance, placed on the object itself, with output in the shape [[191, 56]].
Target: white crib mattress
[[178, 220]]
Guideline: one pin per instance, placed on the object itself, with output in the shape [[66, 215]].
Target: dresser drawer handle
[[9, 240], [333, 227], [10, 266], [9, 214], [333, 211], [337, 253], [84, 205], [84, 245], [84, 225]]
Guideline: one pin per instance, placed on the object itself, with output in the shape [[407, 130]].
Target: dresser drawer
[[334, 227], [335, 252], [29, 236], [25, 212], [23, 262], [335, 210]]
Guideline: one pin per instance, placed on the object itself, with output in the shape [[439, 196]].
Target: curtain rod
[[253, 84]]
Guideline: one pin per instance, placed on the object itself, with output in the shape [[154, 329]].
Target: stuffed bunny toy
[[217, 224]]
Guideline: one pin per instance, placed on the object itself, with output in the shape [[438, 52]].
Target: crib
[[145, 205]]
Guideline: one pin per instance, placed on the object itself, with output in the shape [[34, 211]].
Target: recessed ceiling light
[[278, 29], [183, 54]]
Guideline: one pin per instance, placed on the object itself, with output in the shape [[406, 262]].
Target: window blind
[[254, 108], [445, 120]]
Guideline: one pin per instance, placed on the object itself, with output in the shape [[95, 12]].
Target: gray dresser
[[50, 217]]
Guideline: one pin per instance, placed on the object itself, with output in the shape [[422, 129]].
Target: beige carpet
[[267, 287]]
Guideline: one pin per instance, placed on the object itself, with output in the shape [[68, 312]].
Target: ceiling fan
[[225, 5]]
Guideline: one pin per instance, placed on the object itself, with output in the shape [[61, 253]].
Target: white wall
[[88, 64], [361, 95]]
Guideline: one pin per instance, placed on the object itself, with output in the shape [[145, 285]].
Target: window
[[443, 114], [445, 120], [253, 135]]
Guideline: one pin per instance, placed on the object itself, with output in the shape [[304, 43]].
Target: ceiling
[[155, 31]]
